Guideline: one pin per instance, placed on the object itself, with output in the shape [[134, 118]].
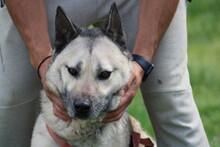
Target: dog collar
[[58, 139]]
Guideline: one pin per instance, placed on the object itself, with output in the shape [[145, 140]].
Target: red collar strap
[[135, 139], [58, 139]]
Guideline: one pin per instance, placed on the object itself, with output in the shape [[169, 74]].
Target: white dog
[[89, 69]]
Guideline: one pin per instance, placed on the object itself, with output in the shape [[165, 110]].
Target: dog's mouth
[[90, 108]]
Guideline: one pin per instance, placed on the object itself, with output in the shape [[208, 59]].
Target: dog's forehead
[[86, 48], [103, 47]]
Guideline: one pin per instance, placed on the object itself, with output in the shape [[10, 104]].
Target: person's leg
[[19, 87], [167, 92]]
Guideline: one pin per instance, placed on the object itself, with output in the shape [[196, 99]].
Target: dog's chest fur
[[81, 133]]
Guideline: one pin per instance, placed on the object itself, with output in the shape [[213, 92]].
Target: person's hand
[[58, 107], [127, 94]]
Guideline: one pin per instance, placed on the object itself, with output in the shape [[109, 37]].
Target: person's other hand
[[59, 109], [127, 93]]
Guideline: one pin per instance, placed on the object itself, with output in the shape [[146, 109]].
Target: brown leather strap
[[137, 140]]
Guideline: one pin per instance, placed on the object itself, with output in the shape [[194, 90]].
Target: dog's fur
[[89, 69]]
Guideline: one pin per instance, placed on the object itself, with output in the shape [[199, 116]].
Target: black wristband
[[147, 67]]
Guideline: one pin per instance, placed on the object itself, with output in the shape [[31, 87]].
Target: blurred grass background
[[204, 55]]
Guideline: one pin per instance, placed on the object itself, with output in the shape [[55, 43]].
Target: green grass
[[203, 54], [138, 110]]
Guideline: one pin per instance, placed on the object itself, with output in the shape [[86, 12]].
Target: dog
[[89, 68]]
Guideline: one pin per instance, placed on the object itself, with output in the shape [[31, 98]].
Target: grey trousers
[[167, 92]]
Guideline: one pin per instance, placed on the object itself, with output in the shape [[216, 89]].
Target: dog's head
[[89, 67]]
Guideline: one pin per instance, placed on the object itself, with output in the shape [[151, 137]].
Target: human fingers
[[113, 116], [60, 113], [127, 94], [117, 114], [59, 109], [125, 101]]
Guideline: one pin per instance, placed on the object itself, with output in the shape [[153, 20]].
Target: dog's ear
[[113, 27], [66, 31]]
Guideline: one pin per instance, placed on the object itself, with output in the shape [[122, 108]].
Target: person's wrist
[[144, 64], [38, 53], [138, 69], [43, 66]]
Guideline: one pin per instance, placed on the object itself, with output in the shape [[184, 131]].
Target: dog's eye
[[104, 75], [73, 71]]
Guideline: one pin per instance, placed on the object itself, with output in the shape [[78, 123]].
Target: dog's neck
[[76, 130], [135, 141], [64, 142]]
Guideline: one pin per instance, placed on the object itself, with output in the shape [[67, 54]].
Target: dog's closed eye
[[73, 71], [104, 75]]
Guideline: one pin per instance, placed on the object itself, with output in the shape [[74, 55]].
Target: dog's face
[[89, 67]]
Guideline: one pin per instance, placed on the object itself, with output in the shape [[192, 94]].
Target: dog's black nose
[[82, 107]]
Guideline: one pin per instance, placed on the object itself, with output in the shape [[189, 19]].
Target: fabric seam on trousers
[[157, 92], [16, 105]]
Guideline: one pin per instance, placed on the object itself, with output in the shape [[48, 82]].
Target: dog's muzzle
[[82, 107]]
